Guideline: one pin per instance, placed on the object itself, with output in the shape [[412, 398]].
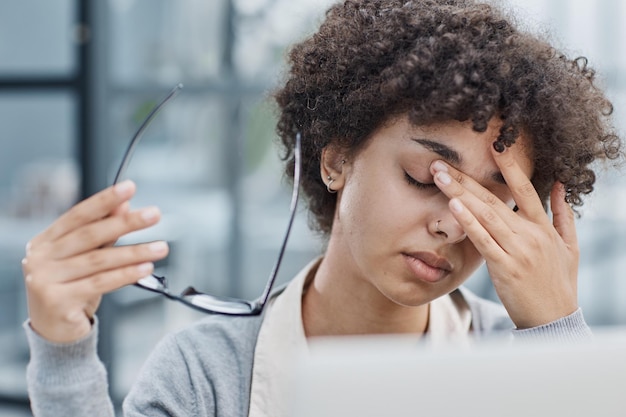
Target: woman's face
[[393, 228]]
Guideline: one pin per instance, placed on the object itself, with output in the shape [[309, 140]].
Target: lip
[[428, 266], [433, 260]]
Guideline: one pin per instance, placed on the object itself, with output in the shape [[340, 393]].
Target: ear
[[332, 168]]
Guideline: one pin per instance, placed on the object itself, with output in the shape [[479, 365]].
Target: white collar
[[282, 341]]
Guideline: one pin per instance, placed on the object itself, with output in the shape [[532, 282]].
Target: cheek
[[358, 206], [372, 204], [470, 260]]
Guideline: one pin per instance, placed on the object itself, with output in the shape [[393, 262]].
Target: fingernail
[[145, 268], [440, 166], [456, 206], [158, 247], [499, 146], [123, 188], [150, 213], [444, 178]]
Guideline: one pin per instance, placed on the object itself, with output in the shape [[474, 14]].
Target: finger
[[474, 187], [486, 210], [563, 215], [522, 189], [105, 259], [106, 282], [493, 199], [95, 235], [91, 209], [482, 240], [119, 211]]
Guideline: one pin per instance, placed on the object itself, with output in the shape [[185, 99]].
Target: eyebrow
[[453, 157]]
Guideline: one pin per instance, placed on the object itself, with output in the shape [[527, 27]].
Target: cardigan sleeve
[[70, 380], [202, 371], [67, 379], [491, 319], [572, 328]]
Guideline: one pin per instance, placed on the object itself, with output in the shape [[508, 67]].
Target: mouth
[[428, 266]]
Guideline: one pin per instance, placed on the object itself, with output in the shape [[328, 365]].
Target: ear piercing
[[330, 181]]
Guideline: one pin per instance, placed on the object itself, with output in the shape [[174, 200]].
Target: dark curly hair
[[440, 60]]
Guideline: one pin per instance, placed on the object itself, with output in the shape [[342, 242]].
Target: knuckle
[[96, 259], [30, 266], [526, 258], [34, 284], [79, 215], [29, 281], [26, 269], [106, 281], [508, 162], [105, 198], [527, 189], [127, 222], [99, 281], [484, 241], [457, 191], [134, 220], [490, 199], [142, 251], [32, 253], [489, 216], [86, 235]]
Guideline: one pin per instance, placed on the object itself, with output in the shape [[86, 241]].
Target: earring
[[330, 181]]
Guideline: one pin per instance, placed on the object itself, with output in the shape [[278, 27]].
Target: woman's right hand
[[71, 264]]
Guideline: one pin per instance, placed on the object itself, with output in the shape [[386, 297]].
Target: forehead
[[461, 146]]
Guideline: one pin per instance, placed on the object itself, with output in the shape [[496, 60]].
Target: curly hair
[[437, 61]]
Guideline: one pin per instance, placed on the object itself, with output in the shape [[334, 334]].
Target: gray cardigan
[[204, 370]]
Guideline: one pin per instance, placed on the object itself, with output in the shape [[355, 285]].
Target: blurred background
[[76, 79]]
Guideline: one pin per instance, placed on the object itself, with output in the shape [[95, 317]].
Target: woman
[[435, 134]]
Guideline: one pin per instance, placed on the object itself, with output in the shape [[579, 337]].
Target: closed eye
[[415, 183]]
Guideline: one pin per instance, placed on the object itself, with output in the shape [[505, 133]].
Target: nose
[[446, 227]]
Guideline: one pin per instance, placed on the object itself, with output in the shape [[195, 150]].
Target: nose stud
[[438, 230]]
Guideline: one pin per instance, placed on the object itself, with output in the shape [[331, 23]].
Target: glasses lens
[[153, 283], [221, 305]]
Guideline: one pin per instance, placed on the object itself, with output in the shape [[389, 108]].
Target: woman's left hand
[[532, 260]]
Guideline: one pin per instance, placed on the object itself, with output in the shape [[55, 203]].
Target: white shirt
[[282, 341]]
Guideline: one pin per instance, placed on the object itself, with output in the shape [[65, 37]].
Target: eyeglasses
[[190, 296]]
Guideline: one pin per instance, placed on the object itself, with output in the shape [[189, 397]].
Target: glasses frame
[[197, 300]]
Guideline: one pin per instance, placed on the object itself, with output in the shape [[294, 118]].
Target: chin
[[413, 294]]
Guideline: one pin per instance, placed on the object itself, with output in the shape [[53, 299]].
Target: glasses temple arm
[[294, 203], [135, 140]]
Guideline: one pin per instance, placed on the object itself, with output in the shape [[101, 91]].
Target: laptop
[[394, 376]]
